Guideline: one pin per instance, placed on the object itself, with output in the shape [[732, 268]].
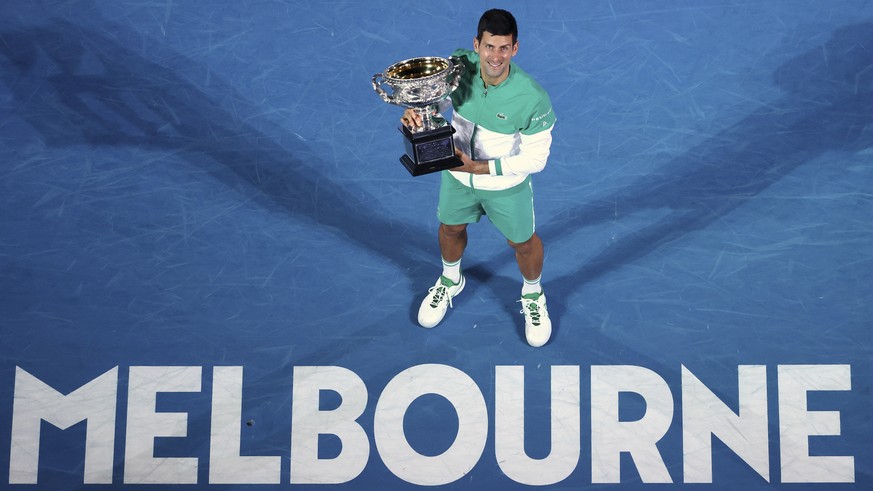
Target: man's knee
[[523, 247], [453, 230]]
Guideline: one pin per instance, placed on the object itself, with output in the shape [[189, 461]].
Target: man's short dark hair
[[498, 22]]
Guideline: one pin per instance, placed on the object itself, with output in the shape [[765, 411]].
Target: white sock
[[531, 286], [452, 271]]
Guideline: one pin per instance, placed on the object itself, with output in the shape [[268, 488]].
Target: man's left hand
[[470, 165]]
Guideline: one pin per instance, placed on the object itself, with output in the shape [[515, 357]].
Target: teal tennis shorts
[[510, 210]]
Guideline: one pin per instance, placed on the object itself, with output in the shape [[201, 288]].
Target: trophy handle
[[377, 86], [455, 73]]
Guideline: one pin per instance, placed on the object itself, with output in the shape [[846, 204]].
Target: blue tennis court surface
[[211, 258]]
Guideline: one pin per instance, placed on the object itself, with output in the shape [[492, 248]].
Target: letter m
[[34, 401]]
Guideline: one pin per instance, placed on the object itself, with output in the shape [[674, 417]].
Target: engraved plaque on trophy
[[421, 84]]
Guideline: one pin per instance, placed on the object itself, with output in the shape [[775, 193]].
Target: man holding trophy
[[502, 125]]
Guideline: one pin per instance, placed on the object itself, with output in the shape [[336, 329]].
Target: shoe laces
[[440, 293], [531, 308]]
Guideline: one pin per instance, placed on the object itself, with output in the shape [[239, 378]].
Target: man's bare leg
[[529, 255], [453, 241]]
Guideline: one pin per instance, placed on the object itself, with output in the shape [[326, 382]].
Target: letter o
[[463, 394]]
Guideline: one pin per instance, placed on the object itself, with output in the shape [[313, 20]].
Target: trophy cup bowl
[[421, 84]]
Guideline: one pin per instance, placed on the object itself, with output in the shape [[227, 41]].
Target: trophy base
[[429, 151], [429, 167]]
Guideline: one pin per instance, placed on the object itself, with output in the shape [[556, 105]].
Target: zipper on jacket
[[476, 130]]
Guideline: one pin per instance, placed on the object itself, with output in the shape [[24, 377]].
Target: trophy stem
[[431, 119]]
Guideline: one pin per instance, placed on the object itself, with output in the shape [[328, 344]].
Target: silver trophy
[[421, 84]]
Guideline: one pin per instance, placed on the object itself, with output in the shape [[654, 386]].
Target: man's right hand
[[411, 119]]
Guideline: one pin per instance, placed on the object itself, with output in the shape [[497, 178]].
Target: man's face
[[495, 53]]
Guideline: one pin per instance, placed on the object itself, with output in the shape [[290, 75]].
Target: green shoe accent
[[447, 282], [533, 296]]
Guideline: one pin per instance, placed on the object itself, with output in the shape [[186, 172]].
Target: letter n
[[705, 416]]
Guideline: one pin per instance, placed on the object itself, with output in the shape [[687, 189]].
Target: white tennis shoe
[[438, 300], [537, 325]]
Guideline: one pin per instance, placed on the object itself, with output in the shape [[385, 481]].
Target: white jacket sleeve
[[533, 152]]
